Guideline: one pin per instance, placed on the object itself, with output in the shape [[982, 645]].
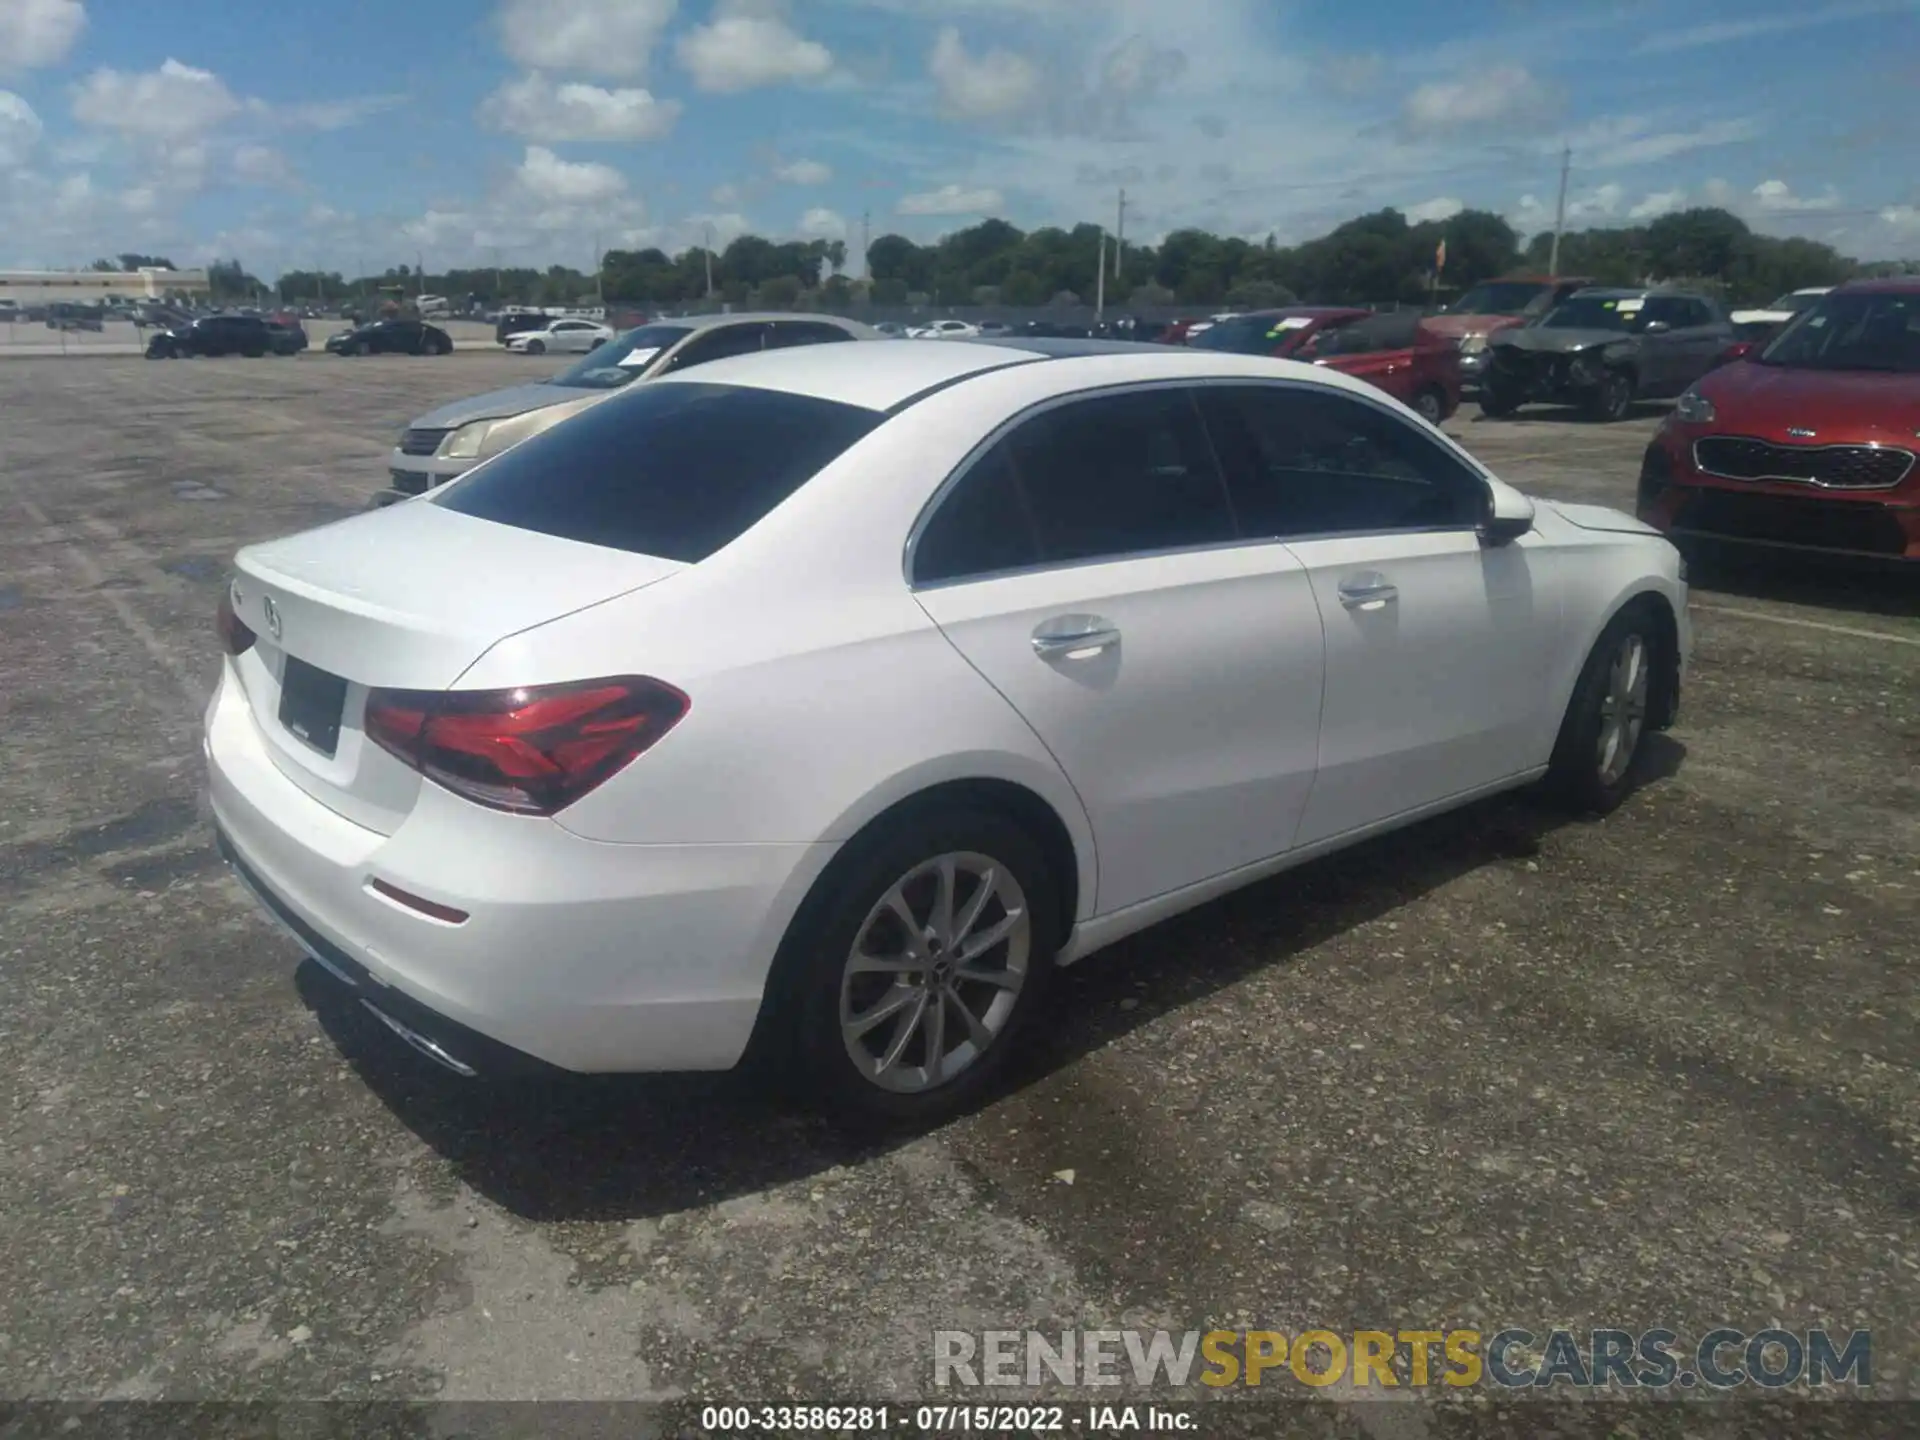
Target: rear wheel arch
[[1024, 807]]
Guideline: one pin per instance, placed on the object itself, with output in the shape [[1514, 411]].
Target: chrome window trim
[[1807, 480], [1450, 449]]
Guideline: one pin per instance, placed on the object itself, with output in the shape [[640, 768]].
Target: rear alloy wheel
[[1597, 757], [1614, 397], [1430, 406], [536, 347], [931, 954]]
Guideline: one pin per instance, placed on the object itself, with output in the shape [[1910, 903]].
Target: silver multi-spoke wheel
[[936, 972], [1623, 708]]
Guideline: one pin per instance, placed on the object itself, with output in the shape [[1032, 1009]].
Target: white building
[[89, 287]]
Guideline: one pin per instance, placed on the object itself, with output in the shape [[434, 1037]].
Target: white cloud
[[261, 165], [1632, 140], [1721, 193], [1441, 207], [596, 37], [538, 109], [1725, 32], [543, 177], [1901, 217], [1600, 203], [1777, 197], [951, 200], [746, 45], [717, 230], [1503, 95], [20, 130], [804, 172], [174, 103], [34, 33], [325, 114], [989, 86], [821, 223], [725, 195], [1657, 203]]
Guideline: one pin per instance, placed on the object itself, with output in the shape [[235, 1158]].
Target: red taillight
[[233, 632], [533, 751]]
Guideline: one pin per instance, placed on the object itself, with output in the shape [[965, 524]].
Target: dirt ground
[[1497, 1070]]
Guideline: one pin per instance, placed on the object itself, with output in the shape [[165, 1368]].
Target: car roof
[[746, 317], [1632, 292], [1883, 285], [889, 375]]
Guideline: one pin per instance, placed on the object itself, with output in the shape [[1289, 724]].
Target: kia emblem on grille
[[273, 615], [1800, 433]]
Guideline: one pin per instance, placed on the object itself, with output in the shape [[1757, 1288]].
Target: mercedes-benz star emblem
[[1800, 432], [273, 615]]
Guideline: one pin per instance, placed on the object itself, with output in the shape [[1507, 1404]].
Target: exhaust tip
[[432, 1049]]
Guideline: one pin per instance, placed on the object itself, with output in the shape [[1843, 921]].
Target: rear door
[[1087, 564], [1435, 643], [1701, 340], [1662, 361]]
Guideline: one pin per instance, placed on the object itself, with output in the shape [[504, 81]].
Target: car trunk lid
[[406, 597]]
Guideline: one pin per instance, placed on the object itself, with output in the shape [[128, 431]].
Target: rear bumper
[[1678, 500], [576, 954]]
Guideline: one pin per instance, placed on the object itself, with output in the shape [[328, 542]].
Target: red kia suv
[[1809, 443]]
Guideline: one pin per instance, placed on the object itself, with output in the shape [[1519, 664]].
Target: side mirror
[[1509, 514]]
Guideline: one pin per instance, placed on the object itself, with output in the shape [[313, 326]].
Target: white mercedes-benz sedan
[[816, 705]]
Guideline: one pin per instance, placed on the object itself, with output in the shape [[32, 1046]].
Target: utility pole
[[419, 273], [708, 252], [1120, 233], [599, 274], [1560, 213], [866, 244], [1100, 281]]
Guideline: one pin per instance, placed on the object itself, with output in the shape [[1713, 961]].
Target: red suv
[[1398, 351], [1809, 443]]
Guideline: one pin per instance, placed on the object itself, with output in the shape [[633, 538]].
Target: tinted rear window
[[674, 470]]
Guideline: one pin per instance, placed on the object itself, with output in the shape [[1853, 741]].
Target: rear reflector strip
[[444, 913]]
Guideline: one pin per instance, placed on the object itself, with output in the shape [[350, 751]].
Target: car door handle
[[1368, 592], [1074, 637]]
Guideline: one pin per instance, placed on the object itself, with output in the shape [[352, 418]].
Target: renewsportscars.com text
[[1512, 1359]]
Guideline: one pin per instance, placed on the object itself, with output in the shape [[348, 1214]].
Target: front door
[[1435, 642], [1087, 567]]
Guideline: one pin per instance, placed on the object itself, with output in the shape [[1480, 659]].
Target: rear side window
[[671, 470], [1093, 479], [784, 334]]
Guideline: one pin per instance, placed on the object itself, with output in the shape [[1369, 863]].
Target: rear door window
[[721, 343], [674, 470], [782, 334]]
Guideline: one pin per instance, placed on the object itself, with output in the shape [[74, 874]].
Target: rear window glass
[[674, 470]]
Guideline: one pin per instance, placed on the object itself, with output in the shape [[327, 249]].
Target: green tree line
[[1371, 259]]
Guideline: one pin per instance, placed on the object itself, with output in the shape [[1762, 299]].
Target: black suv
[[1603, 349], [212, 335]]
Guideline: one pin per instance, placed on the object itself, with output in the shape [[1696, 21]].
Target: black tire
[[1579, 776], [801, 1024], [1612, 398], [1430, 405], [536, 347], [254, 354], [1496, 401]]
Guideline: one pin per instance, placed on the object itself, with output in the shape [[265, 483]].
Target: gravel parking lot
[[1501, 1069]]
